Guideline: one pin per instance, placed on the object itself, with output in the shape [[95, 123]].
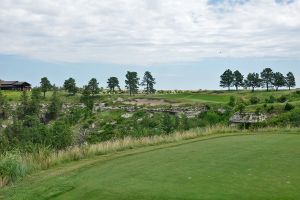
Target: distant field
[[14, 96], [216, 96], [208, 97], [262, 166], [193, 97]]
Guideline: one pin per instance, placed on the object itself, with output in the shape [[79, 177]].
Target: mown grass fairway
[[218, 96], [262, 166]]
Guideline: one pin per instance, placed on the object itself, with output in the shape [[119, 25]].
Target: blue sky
[[188, 75], [186, 44]]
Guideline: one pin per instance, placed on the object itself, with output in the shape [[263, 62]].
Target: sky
[[186, 44]]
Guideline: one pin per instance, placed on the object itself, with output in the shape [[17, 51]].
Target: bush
[[258, 111], [254, 100], [270, 109], [232, 101], [61, 135], [240, 108], [271, 99], [287, 118], [289, 107], [166, 123], [184, 125], [282, 99]]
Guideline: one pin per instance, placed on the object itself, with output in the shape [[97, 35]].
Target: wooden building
[[14, 85]]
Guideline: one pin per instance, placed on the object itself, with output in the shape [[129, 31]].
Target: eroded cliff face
[[248, 118]]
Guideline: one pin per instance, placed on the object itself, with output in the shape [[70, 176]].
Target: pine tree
[[45, 85], [227, 79], [279, 80], [267, 76], [86, 98], [23, 108], [93, 86], [70, 86], [113, 83], [4, 106], [148, 82], [54, 108], [35, 102], [253, 81], [132, 82], [238, 79], [290, 80]]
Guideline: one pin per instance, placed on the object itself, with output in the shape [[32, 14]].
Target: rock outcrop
[[247, 118]]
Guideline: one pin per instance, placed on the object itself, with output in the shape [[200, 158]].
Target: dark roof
[[8, 82], [13, 83], [21, 83]]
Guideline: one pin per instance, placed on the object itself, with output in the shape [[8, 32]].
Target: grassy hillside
[[218, 96], [263, 166]]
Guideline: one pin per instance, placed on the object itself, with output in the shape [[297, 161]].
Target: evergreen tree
[[35, 102], [54, 108], [185, 125], [227, 79], [113, 83], [93, 86], [4, 106], [86, 98], [290, 80], [232, 101], [238, 79], [148, 82], [132, 82], [23, 108], [279, 80], [45, 85], [253, 81], [167, 124], [70, 86], [267, 76]]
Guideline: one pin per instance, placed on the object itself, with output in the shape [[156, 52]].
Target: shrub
[[254, 100], [184, 123], [232, 101], [241, 108], [271, 99], [270, 109], [167, 124], [258, 111], [289, 107], [287, 118], [61, 135], [282, 99]]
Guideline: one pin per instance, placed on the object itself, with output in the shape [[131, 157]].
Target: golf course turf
[[261, 166]]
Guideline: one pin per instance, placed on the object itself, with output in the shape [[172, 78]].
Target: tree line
[[92, 88], [266, 79]]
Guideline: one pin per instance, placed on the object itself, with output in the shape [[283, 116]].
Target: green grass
[[208, 97], [217, 96], [192, 97], [14, 96], [261, 166]]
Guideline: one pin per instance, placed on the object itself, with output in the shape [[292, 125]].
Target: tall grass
[[15, 165]]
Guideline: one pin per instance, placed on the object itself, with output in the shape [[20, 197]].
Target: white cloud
[[148, 31]]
